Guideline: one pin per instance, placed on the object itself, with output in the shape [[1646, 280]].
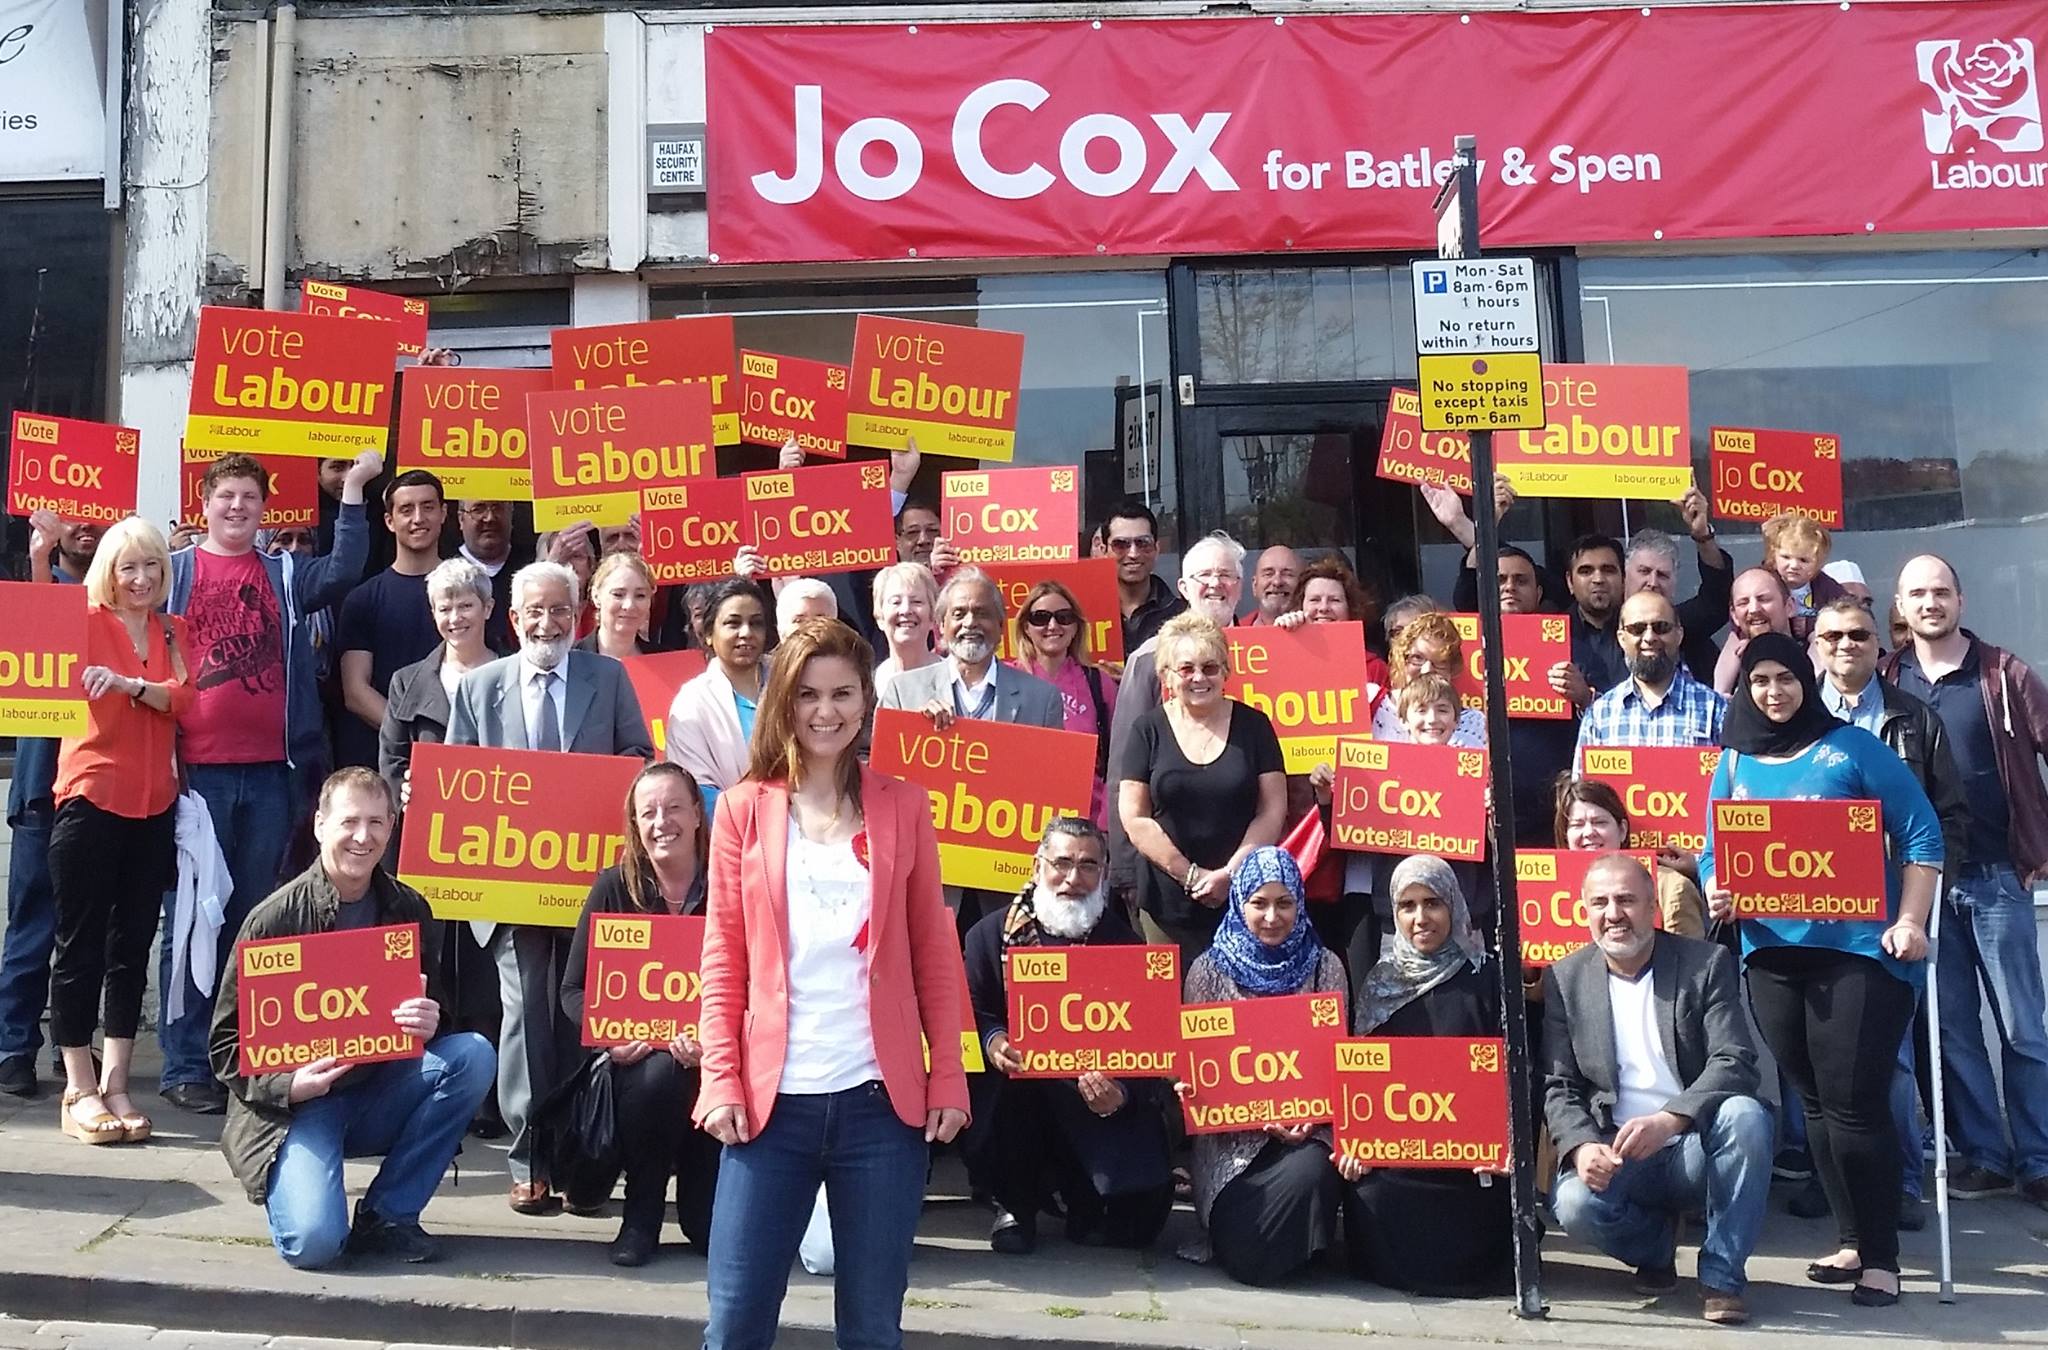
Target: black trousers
[[652, 1102], [1834, 1021], [1274, 1216], [109, 874], [1038, 1136]]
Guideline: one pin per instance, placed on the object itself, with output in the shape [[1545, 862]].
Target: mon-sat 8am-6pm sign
[[1076, 1010], [291, 384], [1759, 474], [603, 454], [1260, 1061], [1423, 1101], [326, 995], [82, 471], [951, 389], [467, 426], [1663, 789], [1611, 431], [42, 659], [511, 836], [989, 812], [1308, 681], [1802, 859], [1478, 363], [696, 350], [1396, 797], [1013, 515]]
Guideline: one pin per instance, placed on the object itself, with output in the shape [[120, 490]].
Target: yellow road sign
[[1501, 391]]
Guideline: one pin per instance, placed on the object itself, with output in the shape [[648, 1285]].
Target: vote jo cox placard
[[641, 982], [1801, 859], [1395, 797], [1423, 1101], [326, 995], [1260, 1061], [1076, 1010]]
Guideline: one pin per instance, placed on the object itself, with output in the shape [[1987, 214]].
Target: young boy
[[1429, 709], [1796, 548]]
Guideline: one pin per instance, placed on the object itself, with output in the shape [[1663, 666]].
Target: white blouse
[[831, 1038]]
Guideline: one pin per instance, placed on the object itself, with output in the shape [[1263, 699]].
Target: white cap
[[1844, 571]]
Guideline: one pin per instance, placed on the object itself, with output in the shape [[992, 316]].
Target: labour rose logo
[[1988, 96]]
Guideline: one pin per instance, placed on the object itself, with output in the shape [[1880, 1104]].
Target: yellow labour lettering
[[279, 392], [476, 440], [926, 395], [38, 670]]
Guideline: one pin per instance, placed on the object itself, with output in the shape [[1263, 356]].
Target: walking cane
[[1948, 1284]]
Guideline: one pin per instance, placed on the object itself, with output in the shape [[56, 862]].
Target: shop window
[[1928, 365], [1095, 362], [498, 328]]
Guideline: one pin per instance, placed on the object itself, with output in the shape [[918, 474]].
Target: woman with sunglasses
[[1203, 786], [1052, 643]]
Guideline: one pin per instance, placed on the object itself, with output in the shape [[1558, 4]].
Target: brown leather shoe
[[1723, 1308], [534, 1197]]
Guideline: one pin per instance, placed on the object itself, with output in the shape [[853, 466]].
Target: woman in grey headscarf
[[1444, 1233]]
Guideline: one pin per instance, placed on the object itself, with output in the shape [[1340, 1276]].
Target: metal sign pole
[[1938, 1107], [1458, 217]]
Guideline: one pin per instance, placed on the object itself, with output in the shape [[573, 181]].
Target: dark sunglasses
[[1661, 627], [1137, 545], [1046, 618], [1835, 639]]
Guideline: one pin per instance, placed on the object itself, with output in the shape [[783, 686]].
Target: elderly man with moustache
[[1760, 603], [1098, 1141], [1651, 1094]]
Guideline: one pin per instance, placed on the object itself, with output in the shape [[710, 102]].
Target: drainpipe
[[284, 48]]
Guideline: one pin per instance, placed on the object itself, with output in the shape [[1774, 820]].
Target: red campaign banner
[[1611, 431], [1093, 582], [1260, 1061], [1077, 138], [354, 302], [786, 398], [1408, 454], [602, 454], [467, 425], [1549, 884], [1393, 797], [290, 384], [1759, 474], [81, 470], [301, 999], [293, 503], [696, 537], [697, 350], [950, 388], [641, 981], [41, 662], [1012, 515], [1309, 682], [1664, 790], [1423, 1101], [821, 518], [1076, 1010], [1802, 859], [656, 676], [1534, 643]]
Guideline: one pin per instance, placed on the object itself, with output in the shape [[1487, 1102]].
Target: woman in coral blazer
[[829, 963]]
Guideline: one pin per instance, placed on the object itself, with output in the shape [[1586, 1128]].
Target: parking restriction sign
[[1478, 344]]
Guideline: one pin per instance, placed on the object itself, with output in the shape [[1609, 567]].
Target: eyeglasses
[[1213, 577], [1046, 618], [1141, 543], [1661, 627], [1083, 867], [535, 613], [485, 511], [1841, 635], [925, 532], [1208, 670]]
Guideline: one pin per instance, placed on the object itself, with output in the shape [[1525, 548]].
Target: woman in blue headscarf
[[1267, 1198], [1443, 1233]]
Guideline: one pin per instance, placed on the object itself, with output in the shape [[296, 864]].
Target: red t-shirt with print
[[238, 667]]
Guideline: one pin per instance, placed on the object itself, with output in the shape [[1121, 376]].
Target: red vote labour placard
[[467, 425], [695, 536], [1310, 682], [1260, 1061], [822, 518], [1802, 859], [1759, 474], [641, 981], [290, 384], [1093, 583], [1550, 884], [786, 398], [1013, 515], [988, 814], [1423, 1101], [1394, 797], [950, 388], [1408, 454], [41, 662], [1533, 643], [1076, 1010], [293, 503], [1663, 789], [656, 676], [326, 995], [1612, 431], [602, 454], [696, 350], [409, 313], [83, 471]]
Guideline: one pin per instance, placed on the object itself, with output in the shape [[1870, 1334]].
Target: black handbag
[[577, 1127]]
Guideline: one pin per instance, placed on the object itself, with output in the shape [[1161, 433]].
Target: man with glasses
[[487, 542], [1660, 703], [548, 697], [1131, 534]]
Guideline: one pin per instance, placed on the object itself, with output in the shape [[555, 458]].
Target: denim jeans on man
[[412, 1111], [1726, 1165], [1989, 942], [252, 808], [31, 936], [872, 1166]]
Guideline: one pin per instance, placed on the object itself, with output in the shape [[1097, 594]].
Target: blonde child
[[1796, 548], [1429, 708]]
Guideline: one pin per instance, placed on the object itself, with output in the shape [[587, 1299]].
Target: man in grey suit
[[970, 682], [547, 697], [1651, 1094]]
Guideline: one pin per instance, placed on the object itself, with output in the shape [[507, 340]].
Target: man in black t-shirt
[[386, 623]]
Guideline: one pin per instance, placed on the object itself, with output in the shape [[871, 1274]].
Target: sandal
[[104, 1128], [135, 1127]]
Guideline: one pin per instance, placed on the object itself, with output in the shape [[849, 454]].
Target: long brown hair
[[635, 867], [776, 754], [1027, 649]]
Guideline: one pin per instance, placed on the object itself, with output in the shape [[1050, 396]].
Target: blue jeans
[[413, 1111], [872, 1166], [1989, 942], [31, 937], [252, 809], [1728, 1166]]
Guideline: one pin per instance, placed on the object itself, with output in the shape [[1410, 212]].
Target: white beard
[[546, 655], [1070, 919]]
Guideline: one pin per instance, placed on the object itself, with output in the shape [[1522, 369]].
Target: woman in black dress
[[1440, 1233]]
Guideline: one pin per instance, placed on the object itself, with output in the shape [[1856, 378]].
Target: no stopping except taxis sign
[[1477, 344]]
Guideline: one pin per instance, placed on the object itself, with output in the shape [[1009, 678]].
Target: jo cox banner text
[[1664, 790], [307, 998], [79, 470], [1396, 797], [641, 981], [1261, 1061], [1801, 859], [1074, 1010], [1423, 1101], [293, 503], [1083, 139]]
